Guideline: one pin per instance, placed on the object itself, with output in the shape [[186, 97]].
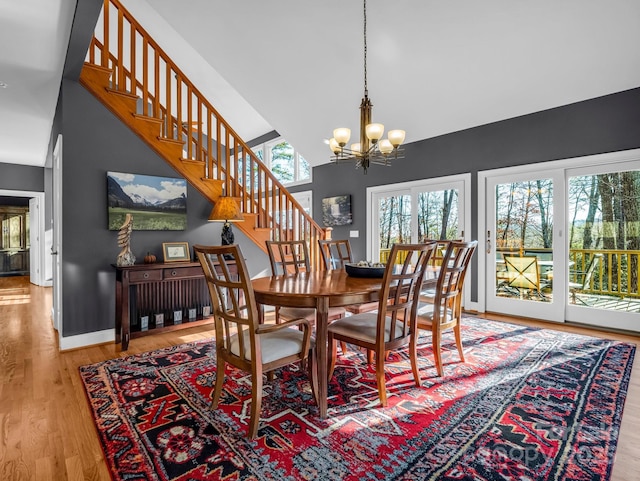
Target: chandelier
[[372, 148]]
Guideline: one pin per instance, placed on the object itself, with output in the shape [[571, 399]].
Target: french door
[[414, 212], [525, 264], [603, 236], [564, 243]]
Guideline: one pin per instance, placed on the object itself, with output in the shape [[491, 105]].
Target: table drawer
[[182, 272], [150, 275]]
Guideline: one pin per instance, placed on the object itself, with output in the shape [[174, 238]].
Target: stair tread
[[171, 141], [147, 117], [123, 93]]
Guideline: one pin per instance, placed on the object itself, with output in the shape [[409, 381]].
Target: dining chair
[[393, 325], [335, 254], [441, 248], [444, 311], [523, 275], [429, 285], [289, 257], [241, 340]]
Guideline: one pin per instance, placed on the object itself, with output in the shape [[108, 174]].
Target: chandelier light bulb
[[385, 146], [334, 145], [355, 148], [396, 137], [342, 136], [374, 132]]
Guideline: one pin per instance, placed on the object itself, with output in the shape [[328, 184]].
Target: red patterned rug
[[529, 404]]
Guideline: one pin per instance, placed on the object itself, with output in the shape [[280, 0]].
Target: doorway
[[413, 212], [22, 235], [562, 240]]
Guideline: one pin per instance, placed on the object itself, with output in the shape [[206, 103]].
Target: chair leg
[[256, 403], [217, 390], [333, 351], [456, 331], [382, 388], [413, 354], [436, 340], [343, 347], [313, 374], [369, 356]]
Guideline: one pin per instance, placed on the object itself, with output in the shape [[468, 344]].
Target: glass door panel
[[393, 222], [604, 247], [522, 272], [430, 209], [438, 214]]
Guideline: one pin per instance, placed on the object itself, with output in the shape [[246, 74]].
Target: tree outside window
[[288, 166]]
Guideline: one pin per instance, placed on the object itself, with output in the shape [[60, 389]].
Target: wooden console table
[[150, 289]]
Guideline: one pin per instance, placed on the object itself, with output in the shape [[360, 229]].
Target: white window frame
[[266, 158], [462, 182]]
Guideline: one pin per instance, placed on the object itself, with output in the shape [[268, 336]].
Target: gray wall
[[95, 142], [604, 124], [21, 177]]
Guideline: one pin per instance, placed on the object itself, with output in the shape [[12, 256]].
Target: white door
[[580, 220], [56, 249], [35, 229], [414, 212], [525, 261], [603, 238]]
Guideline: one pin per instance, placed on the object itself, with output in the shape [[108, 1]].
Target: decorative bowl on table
[[364, 269]]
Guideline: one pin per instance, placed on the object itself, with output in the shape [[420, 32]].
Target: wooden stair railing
[[137, 81]]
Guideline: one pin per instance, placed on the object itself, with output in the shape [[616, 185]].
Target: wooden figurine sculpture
[[126, 257]]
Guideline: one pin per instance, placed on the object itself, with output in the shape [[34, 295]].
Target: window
[[285, 162]]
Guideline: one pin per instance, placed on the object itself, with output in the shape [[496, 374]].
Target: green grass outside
[[144, 220]]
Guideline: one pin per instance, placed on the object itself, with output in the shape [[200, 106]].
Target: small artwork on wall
[[336, 210], [155, 203]]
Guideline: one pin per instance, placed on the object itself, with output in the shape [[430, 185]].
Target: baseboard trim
[[85, 340]]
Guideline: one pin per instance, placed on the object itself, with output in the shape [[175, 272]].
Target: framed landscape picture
[[336, 210], [176, 251], [155, 203]]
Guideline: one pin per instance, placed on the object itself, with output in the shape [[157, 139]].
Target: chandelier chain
[[366, 90]]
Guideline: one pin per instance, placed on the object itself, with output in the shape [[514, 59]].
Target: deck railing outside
[[617, 275]]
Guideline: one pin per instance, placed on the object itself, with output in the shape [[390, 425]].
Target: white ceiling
[[434, 67], [33, 44]]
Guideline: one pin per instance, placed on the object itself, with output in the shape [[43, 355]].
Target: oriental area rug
[[528, 404]]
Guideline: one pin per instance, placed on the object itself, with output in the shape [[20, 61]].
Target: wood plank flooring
[[46, 429]]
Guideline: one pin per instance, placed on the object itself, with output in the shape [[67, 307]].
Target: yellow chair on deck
[[523, 275]]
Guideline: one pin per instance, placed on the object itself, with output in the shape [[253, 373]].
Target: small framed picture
[[336, 210], [176, 251]]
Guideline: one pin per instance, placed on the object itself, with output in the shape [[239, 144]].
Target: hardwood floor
[[46, 429]]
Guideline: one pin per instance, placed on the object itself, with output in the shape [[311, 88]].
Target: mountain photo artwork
[[155, 203]]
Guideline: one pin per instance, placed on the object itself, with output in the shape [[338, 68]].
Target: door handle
[[488, 242]]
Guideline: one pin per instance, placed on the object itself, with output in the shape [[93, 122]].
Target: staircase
[[135, 79]]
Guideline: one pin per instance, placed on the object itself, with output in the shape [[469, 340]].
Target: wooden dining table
[[320, 290]]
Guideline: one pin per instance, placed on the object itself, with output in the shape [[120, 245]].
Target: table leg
[[322, 321]]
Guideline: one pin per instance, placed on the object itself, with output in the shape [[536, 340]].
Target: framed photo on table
[[176, 251]]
